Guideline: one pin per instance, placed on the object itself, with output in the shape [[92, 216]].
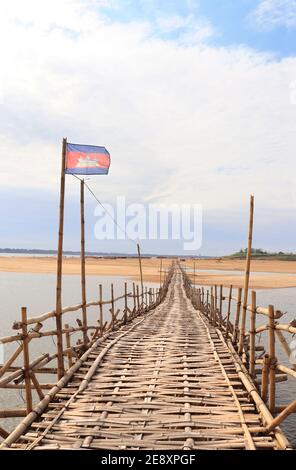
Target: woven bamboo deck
[[165, 381]]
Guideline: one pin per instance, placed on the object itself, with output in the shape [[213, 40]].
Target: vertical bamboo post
[[125, 302], [146, 297], [82, 260], [247, 276], [215, 305], [134, 297], [138, 299], [160, 272], [68, 345], [237, 314], [271, 340], [265, 375], [252, 334], [212, 306], [26, 361], [221, 306], [141, 272], [194, 274], [228, 311], [112, 305], [58, 315], [101, 308]]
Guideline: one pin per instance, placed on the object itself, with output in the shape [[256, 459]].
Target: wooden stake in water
[[247, 276], [58, 314]]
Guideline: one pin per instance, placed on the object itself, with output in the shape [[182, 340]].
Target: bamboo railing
[[20, 371], [261, 366]]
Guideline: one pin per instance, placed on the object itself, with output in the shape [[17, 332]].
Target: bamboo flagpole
[[58, 313], [82, 255], [76, 160], [247, 276]]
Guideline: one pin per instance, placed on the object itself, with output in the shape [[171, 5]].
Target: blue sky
[[195, 100], [233, 22]]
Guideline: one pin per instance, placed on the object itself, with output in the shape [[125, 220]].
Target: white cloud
[[274, 13], [176, 119], [187, 29]]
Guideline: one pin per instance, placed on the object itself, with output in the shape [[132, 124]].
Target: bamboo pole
[[26, 361], [4, 434], [283, 415], [58, 313], [252, 335], [160, 272], [125, 303], [247, 275], [237, 314], [215, 305], [82, 261], [36, 385], [271, 341], [68, 344], [284, 344], [13, 413], [221, 306], [265, 376], [112, 306], [134, 298], [228, 311], [212, 306], [16, 353], [141, 272], [138, 299], [101, 308]]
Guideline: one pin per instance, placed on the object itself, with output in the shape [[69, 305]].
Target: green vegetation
[[261, 254]]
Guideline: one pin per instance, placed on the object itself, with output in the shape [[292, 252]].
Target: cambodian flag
[[87, 160]]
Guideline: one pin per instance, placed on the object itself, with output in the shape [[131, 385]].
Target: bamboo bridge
[[173, 373]]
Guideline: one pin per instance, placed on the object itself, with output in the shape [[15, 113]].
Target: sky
[[195, 101]]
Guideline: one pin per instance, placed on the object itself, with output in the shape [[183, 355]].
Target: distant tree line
[[259, 253]]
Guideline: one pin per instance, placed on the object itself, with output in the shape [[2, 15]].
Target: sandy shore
[[274, 274]]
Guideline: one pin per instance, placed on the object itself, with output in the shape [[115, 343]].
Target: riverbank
[[274, 274]]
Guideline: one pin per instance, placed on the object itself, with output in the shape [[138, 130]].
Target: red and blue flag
[[87, 160]]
